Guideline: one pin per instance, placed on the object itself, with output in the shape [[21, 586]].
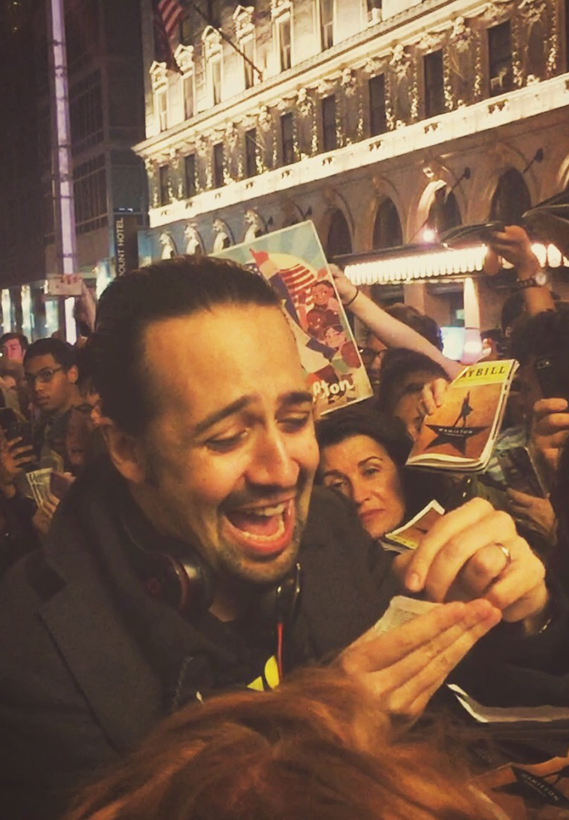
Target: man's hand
[[549, 429], [404, 667], [514, 245], [534, 513], [476, 552], [44, 514], [14, 456]]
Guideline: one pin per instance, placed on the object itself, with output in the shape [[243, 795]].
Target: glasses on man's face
[[43, 376]]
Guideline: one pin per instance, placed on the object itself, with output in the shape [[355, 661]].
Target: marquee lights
[[434, 264]]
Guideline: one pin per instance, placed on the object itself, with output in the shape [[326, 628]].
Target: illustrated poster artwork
[[293, 262]]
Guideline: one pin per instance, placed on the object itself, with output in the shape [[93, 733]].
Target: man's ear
[[73, 374], [125, 451]]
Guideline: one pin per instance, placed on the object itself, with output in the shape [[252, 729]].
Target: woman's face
[[363, 471]]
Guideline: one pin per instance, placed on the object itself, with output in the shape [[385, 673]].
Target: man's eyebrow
[[296, 397], [222, 413], [287, 400]]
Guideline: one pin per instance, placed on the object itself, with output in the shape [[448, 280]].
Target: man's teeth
[[278, 509]]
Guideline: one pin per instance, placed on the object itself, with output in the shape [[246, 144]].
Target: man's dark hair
[[23, 340], [62, 352], [542, 334], [167, 289], [425, 325], [396, 364]]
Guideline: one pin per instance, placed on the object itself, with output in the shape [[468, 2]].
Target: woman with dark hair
[[363, 455], [316, 747]]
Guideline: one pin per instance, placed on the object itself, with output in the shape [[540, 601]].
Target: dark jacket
[[89, 663]]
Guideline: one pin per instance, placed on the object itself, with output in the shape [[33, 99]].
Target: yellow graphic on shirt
[[269, 679]]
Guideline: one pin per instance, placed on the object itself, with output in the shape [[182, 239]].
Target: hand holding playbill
[[460, 433]]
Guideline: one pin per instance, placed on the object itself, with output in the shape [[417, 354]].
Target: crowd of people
[[188, 608]]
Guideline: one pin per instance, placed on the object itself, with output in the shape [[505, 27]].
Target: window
[[377, 110], [188, 92], [90, 190], [190, 175], [434, 83], [326, 23], [163, 185], [218, 165], [162, 108], [329, 133], [500, 58], [251, 152], [248, 48], [387, 231], [86, 112], [287, 136], [284, 42], [215, 79], [374, 11]]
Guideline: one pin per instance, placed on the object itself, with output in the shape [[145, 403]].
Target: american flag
[[298, 279], [170, 13], [167, 15]]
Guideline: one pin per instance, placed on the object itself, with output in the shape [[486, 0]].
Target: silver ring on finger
[[506, 552]]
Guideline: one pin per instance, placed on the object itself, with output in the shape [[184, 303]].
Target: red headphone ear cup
[[184, 584]]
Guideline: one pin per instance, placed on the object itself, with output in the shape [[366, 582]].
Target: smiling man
[[198, 557]]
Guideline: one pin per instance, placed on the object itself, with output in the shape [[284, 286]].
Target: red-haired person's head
[[317, 747]]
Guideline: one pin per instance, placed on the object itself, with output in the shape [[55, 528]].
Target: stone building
[[380, 121]]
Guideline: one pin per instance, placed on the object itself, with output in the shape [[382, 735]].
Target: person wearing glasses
[[51, 374]]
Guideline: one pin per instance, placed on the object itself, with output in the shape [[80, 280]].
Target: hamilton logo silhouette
[[458, 433]]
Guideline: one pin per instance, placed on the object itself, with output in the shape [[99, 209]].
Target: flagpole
[[61, 154]]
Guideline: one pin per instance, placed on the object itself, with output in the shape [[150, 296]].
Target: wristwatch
[[538, 280]]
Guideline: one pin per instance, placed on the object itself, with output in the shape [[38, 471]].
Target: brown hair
[[316, 747]]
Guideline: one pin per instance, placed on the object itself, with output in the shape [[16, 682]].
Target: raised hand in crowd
[[514, 245], [392, 332], [14, 457], [549, 430], [44, 514], [472, 555], [533, 512]]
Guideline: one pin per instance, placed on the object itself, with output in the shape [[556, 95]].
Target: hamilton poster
[[293, 262], [460, 435]]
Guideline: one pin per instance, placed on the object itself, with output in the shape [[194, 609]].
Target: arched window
[[444, 212], [387, 232], [511, 198], [339, 239]]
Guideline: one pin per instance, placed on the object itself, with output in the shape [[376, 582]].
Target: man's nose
[[272, 461]]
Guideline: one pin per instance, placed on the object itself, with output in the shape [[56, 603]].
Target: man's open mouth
[[263, 529]]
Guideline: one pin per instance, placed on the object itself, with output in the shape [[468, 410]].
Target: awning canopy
[[423, 263]]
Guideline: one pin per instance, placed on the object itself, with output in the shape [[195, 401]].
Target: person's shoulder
[[331, 517]]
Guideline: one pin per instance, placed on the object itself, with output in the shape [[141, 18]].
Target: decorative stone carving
[[223, 238], [532, 10], [158, 75], [211, 39], [348, 81], [243, 21], [169, 250], [404, 96], [264, 118], [184, 56], [255, 226], [430, 41], [279, 7], [194, 244], [304, 104]]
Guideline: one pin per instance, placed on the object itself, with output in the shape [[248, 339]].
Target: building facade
[[106, 109], [380, 121]]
